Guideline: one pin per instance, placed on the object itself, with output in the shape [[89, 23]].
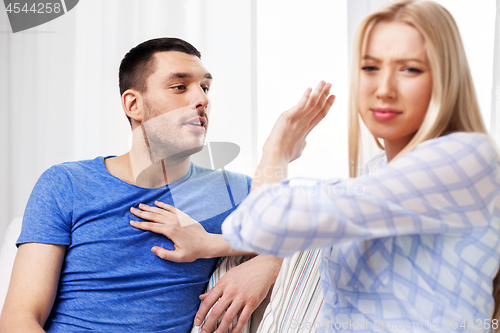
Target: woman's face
[[395, 83]]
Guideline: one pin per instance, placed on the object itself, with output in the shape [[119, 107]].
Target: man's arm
[[33, 287], [241, 290]]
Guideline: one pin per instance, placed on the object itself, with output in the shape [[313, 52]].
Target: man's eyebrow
[[182, 75], [369, 57]]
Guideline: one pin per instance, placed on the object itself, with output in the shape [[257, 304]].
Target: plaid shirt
[[411, 246]]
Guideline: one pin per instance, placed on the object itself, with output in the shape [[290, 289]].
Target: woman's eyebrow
[[410, 59], [369, 57]]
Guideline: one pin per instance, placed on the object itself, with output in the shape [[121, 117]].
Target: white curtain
[[59, 98]]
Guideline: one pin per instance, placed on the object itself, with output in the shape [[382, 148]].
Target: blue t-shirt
[[110, 280]]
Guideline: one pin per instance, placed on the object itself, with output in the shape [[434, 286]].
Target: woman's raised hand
[[292, 127]]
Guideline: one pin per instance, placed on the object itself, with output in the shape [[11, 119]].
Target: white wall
[[299, 44]]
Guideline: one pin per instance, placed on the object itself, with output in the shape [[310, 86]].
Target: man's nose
[[201, 99], [387, 85]]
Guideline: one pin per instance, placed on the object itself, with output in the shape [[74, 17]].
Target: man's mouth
[[198, 121], [197, 124]]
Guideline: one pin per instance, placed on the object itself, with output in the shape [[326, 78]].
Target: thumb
[[166, 254]]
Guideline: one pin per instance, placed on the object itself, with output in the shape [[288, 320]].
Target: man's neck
[[137, 167]]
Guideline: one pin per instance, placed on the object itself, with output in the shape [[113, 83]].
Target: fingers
[[323, 112], [145, 212], [154, 214], [210, 298], [304, 98], [228, 318], [244, 317], [315, 99], [216, 313], [165, 206], [315, 96], [155, 210], [151, 226], [323, 96]]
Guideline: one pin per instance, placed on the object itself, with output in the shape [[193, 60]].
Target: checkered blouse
[[411, 246]]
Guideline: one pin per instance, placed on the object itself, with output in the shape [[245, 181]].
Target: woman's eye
[[180, 87], [369, 68], [412, 70], [206, 89]]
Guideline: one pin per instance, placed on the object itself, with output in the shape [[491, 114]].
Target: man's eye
[[369, 68], [206, 89], [180, 87]]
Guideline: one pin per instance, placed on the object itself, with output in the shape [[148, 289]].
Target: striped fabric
[[297, 296], [225, 264]]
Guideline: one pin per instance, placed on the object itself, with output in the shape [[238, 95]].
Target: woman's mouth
[[385, 113]]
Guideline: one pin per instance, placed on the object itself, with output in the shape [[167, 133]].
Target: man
[[82, 266]]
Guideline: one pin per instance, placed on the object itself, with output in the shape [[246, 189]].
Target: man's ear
[[132, 104]]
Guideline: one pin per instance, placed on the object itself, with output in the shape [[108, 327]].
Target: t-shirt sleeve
[[48, 214], [249, 183], [238, 186], [447, 185]]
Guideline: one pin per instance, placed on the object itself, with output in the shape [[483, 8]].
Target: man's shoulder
[[63, 172], [78, 166]]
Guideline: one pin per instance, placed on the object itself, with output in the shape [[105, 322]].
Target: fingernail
[[323, 83], [132, 208], [329, 85], [153, 250], [197, 322], [132, 222], [140, 205]]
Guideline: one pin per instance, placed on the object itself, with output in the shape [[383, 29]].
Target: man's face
[[176, 106]]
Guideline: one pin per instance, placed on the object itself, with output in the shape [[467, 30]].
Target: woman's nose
[[387, 86]]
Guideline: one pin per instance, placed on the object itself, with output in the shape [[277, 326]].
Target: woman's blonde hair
[[453, 106]]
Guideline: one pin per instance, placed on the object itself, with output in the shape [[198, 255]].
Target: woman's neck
[[393, 147]]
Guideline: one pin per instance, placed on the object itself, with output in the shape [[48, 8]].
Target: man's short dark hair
[[139, 63]]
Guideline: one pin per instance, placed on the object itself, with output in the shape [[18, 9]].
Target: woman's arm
[[446, 185], [32, 288]]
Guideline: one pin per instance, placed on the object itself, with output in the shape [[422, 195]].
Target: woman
[[413, 244]]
